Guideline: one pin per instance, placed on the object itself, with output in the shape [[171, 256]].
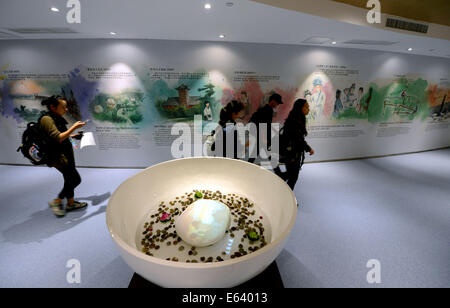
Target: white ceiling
[[245, 21]]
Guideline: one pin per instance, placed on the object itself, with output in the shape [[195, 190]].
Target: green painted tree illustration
[[209, 93]]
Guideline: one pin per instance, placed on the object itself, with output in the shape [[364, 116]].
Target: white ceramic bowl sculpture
[[141, 194]]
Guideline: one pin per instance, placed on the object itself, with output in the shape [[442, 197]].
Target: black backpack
[[36, 145]]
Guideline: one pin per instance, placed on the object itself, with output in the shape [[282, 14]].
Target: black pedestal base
[[269, 279]]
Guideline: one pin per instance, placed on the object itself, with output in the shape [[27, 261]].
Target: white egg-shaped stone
[[203, 223]]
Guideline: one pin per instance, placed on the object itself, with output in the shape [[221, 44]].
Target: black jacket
[[292, 142], [263, 115]]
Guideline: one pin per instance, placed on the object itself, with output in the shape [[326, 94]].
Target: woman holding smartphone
[[54, 125]]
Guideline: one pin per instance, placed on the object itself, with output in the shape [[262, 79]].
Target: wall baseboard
[[311, 162]]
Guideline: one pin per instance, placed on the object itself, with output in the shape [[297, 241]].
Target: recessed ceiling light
[[409, 49], [207, 6], [334, 43], [222, 36], [112, 33], [54, 9]]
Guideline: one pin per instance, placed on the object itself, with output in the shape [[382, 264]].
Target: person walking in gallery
[[229, 114], [293, 144], [207, 114], [264, 115], [55, 127]]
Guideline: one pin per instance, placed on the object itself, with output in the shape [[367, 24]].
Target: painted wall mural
[[439, 100], [133, 98], [21, 99]]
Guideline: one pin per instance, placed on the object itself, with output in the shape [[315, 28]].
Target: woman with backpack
[[293, 144], [54, 125]]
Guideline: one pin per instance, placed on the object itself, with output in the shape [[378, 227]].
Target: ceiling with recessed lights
[[238, 21]]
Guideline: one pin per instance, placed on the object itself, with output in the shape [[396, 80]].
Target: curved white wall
[[405, 111]]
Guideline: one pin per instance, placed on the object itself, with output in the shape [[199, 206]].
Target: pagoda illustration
[[183, 99]]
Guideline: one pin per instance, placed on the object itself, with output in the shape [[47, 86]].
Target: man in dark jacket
[[264, 115]]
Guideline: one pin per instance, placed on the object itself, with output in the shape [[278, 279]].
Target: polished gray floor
[[394, 209]]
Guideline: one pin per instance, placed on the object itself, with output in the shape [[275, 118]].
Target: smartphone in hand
[[79, 136]]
